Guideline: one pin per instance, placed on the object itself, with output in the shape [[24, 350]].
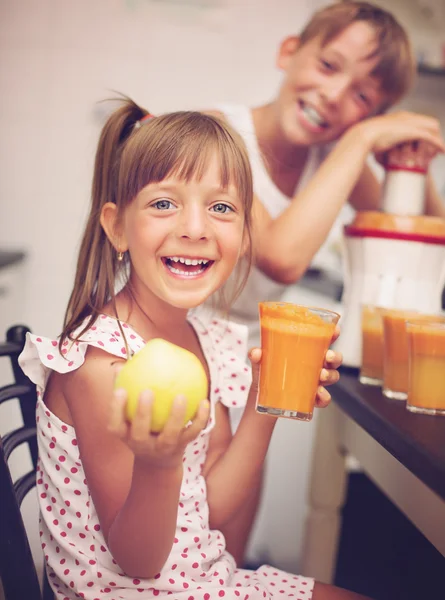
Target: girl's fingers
[[255, 360], [333, 359], [329, 376], [336, 333], [255, 356], [322, 398], [175, 423], [141, 423], [199, 422], [117, 422]]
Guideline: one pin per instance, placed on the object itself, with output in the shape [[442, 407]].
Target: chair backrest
[[17, 570]]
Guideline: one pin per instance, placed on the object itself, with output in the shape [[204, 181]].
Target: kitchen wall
[[58, 59]]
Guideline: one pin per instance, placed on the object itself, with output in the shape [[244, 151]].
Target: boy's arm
[[286, 245]]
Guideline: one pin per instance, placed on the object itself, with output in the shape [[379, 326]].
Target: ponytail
[[98, 267]]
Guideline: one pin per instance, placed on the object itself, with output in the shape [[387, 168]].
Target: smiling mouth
[[312, 115], [187, 267]]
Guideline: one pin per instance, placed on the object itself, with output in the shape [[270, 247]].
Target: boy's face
[[328, 89]]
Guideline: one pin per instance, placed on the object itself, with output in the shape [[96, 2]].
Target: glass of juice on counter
[[395, 352], [371, 370], [294, 341], [426, 344]]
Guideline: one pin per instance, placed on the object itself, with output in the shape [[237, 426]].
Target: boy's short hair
[[396, 66]]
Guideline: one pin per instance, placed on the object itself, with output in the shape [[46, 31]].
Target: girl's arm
[[136, 495], [286, 245], [234, 464]]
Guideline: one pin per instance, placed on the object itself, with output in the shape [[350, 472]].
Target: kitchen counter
[[401, 452]]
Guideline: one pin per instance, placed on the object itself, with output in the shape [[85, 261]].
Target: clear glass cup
[[426, 346], [294, 341], [395, 352], [371, 370]]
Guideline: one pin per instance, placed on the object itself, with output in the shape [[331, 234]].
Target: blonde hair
[[130, 155], [396, 66]]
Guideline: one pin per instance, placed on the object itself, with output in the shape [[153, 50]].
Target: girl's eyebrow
[[163, 186]]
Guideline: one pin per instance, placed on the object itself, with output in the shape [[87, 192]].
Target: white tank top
[[259, 287]]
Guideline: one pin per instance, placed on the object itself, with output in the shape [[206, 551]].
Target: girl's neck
[[151, 317], [280, 153]]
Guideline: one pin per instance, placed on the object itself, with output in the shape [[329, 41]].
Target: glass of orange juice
[[294, 341], [426, 344], [395, 352], [371, 370]]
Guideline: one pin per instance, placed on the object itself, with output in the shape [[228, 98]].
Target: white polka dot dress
[[79, 563]]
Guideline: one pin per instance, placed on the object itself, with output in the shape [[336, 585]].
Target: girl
[[126, 514]]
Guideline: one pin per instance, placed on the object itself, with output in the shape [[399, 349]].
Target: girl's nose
[[194, 223]]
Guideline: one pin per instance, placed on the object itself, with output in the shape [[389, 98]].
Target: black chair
[[17, 570]]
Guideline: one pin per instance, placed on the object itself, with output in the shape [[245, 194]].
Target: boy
[[350, 64]]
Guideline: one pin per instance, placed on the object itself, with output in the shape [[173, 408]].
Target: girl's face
[[184, 238], [327, 89]]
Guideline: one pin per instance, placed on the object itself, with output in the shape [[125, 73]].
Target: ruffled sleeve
[[41, 355], [227, 348]]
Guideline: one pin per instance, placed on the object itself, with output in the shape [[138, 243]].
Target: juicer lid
[[426, 229]]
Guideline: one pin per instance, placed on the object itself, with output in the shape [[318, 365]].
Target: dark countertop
[[417, 441], [10, 257]]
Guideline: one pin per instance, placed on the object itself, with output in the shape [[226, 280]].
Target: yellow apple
[[167, 370]]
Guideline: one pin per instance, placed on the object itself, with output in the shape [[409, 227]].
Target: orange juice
[[395, 353], [426, 342], [371, 371], [294, 341]]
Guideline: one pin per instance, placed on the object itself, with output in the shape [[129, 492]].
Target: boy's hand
[[414, 155], [162, 450], [387, 131]]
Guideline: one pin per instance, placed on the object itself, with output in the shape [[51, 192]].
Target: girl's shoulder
[[42, 355]]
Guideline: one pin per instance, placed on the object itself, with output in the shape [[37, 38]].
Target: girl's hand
[[329, 373], [166, 448], [386, 131], [255, 360]]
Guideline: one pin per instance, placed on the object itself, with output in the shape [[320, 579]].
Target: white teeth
[[313, 115], [188, 261], [185, 273]]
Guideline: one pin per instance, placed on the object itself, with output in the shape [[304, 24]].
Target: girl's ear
[[108, 220], [287, 49]]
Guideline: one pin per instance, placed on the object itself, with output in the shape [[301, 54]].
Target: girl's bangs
[[183, 154]]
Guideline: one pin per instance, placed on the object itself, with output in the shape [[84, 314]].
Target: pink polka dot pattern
[[79, 563]]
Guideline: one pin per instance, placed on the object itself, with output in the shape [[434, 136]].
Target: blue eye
[[163, 204], [222, 208]]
